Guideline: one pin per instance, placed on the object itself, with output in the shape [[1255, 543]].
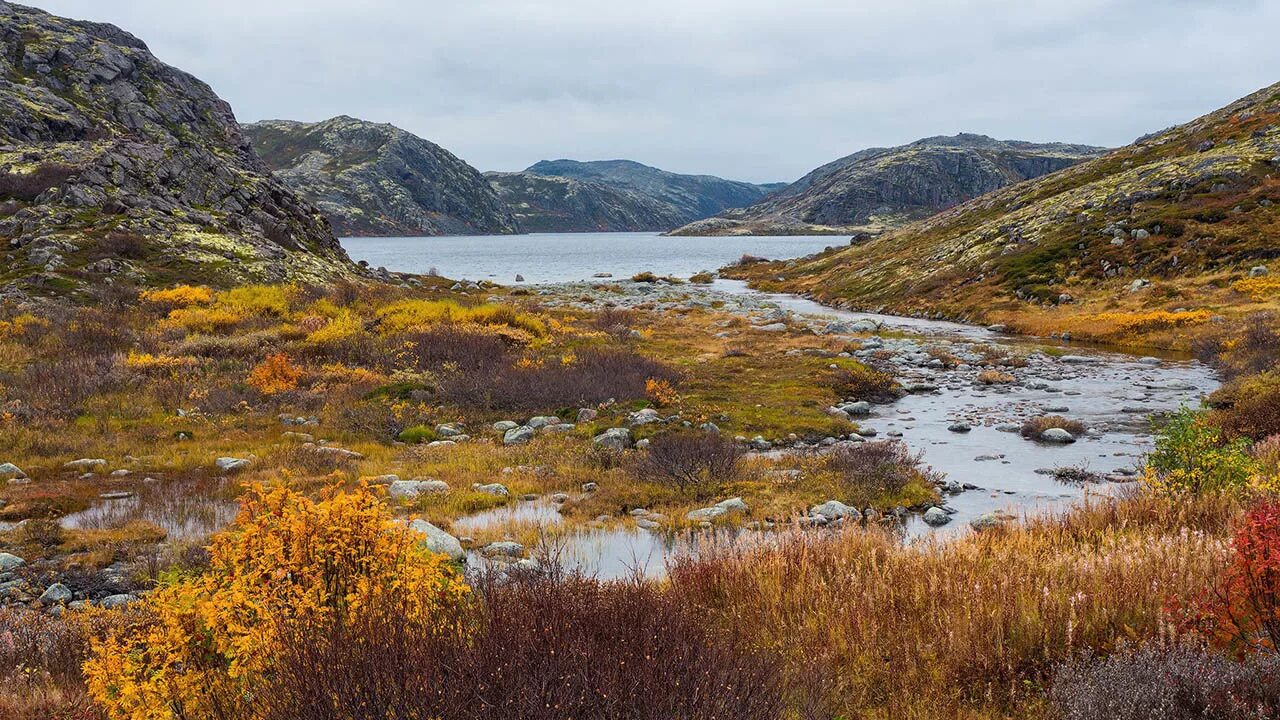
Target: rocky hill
[[374, 179], [545, 203], [115, 166], [689, 197], [874, 189], [1183, 223]]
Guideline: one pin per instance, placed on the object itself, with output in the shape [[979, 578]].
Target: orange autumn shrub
[[275, 375], [660, 392], [291, 567], [177, 297]]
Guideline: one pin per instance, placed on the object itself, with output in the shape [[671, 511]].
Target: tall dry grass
[[972, 627]]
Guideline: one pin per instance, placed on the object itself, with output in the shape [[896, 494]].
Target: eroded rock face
[[115, 165], [374, 179]]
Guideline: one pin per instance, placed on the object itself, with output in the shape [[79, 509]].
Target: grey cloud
[[742, 88]]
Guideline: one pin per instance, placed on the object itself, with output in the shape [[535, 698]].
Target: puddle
[[187, 510]]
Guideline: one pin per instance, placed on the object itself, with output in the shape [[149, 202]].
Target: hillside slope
[[544, 203], [1151, 239], [374, 179], [884, 187], [115, 166], [690, 197]]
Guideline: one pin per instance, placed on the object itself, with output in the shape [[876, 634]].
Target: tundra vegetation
[[296, 403]]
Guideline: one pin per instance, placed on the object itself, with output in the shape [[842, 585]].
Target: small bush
[[863, 383], [1250, 349], [275, 375], [644, 277], [1241, 613], [541, 648], [872, 472], [1191, 457], [995, 377], [46, 533], [695, 462], [615, 321], [177, 297], [1248, 407], [29, 186], [1033, 427], [702, 278], [417, 434], [422, 315], [1174, 683], [661, 392]]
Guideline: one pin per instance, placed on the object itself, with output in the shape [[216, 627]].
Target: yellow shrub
[[345, 326], [291, 566], [20, 324], [146, 362], [410, 315], [205, 319], [1124, 323], [1258, 288], [257, 300], [339, 373], [178, 297], [275, 375], [660, 392]]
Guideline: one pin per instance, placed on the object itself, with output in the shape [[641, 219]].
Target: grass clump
[[1034, 427], [860, 382]]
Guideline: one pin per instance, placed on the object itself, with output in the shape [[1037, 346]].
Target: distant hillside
[[116, 167], [374, 179], [878, 188], [1184, 223], [543, 203], [689, 197]]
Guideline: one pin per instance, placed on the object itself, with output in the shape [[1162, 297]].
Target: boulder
[[504, 548], [497, 489], [56, 594], [1057, 435], [9, 562], [834, 510], [85, 465], [9, 471], [437, 540], [1258, 271], [646, 416], [587, 414], [518, 435], [614, 439], [117, 601], [541, 421], [936, 517], [505, 425]]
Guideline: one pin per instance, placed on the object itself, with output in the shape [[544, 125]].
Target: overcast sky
[[746, 89]]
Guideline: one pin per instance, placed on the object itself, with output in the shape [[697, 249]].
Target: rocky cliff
[[117, 167], [878, 188], [1186, 218], [543, 203], [373, 179], [688, 197]]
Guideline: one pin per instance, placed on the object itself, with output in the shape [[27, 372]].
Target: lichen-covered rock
[[373, 179], [116, 166]]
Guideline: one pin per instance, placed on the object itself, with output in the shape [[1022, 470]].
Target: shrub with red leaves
[[1242, 613]]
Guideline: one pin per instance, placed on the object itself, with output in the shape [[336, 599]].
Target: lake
[[564, 257]]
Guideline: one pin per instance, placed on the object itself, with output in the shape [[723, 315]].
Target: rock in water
[[119, 161], [1057, 435], [936, 517]]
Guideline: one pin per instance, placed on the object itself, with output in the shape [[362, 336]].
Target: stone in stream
[[1057, 435], [437, 540], [936, 517], [960, 427], [503, 548]]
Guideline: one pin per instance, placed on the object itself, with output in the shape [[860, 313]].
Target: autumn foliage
[[275, 375], [1242, 612], [206, 645]]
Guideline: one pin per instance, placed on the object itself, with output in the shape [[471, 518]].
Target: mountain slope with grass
[[374, 179], [1154, 241], [879, 188], [117, 167], [689, 197], [547, 203]]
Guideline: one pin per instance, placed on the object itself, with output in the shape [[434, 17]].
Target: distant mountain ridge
[[547, 203], [690, 197], [115, 167], [374, 179], [877, 188]]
